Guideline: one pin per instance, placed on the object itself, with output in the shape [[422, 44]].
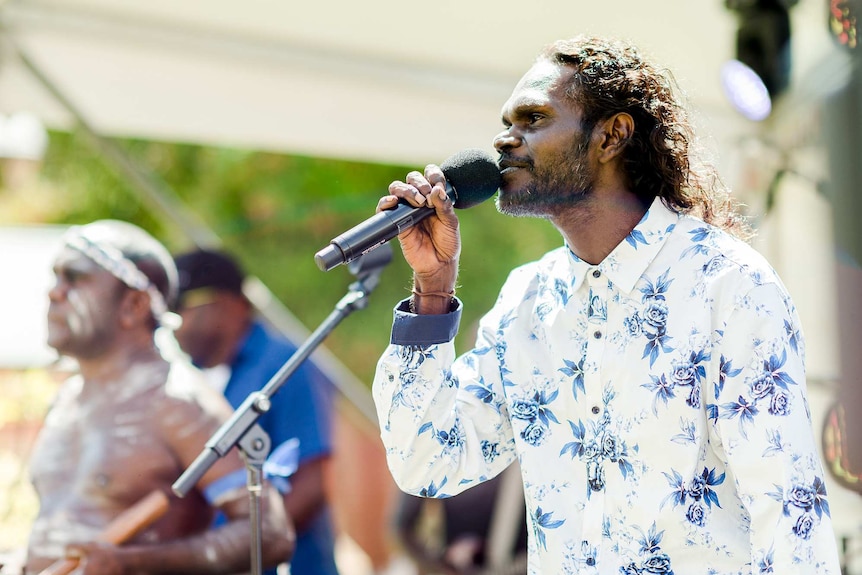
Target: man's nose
[[505, 140], [57, 291]]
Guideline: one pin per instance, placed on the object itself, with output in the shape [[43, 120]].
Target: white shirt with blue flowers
[[656, 403]]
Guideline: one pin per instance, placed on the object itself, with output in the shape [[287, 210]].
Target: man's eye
[[535, 118], [71, 276]]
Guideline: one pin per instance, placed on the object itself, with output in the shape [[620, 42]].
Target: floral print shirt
[[656, 403]]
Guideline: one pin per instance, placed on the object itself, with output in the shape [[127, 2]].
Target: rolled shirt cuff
[[427, 329]]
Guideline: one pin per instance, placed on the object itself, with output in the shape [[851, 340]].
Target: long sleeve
[[442, 419], [762, 428]]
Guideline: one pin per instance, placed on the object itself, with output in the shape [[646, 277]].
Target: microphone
[[472, 176]]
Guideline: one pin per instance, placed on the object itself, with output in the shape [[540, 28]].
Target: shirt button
[[596, 409], [597, 334], [597, 274]]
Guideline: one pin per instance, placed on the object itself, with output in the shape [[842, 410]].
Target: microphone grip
[[122, 528], [364, 237]]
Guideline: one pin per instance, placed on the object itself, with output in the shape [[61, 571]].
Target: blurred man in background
[[239, 355], [130, 422]]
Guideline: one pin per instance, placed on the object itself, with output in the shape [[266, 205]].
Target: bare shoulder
[[186, 405], [186, 385], [190, 411]]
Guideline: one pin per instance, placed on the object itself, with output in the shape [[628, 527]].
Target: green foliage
[[275, 211]]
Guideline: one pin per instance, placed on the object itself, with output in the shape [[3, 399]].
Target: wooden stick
[[122, 528]]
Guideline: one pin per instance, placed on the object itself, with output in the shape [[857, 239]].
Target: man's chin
[[512, 207], [55, 342], [504, 202]]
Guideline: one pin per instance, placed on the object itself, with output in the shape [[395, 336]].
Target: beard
[[563, 181], [86, 325]]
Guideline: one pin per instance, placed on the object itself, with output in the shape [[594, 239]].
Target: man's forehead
[[69, 258], [543, 81], [543, 75]]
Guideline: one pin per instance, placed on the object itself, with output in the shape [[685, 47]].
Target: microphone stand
[[242, 429]]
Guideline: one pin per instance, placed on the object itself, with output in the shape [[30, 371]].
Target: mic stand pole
[[242, 428], [254, 448]]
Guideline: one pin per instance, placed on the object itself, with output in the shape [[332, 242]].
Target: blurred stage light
[[745, 90], [761, 70]]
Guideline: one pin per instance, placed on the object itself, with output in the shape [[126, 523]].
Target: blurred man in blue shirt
[[240, 354]]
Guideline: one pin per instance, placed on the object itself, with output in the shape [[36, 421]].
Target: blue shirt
[[301, 409], [656, 403]]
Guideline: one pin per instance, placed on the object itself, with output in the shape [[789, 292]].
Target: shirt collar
[[631, 258]]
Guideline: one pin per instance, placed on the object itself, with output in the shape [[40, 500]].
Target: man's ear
[[614, 134], [134, 308]]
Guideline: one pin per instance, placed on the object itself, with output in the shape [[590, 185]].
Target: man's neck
[[595, 227], [114, 363]]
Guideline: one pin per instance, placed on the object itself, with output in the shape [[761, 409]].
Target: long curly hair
[[611, 76]]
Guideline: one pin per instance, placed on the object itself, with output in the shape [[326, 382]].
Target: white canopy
[[385, 81]]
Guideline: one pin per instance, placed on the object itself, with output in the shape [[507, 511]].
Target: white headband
[[122, 268]]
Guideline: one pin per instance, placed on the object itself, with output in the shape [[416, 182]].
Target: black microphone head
[[473, 174]]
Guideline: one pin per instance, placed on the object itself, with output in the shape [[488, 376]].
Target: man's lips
[[509, 166], [56, 316]]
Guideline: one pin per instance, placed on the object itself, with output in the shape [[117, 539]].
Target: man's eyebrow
[[77, 266], [524, 106]]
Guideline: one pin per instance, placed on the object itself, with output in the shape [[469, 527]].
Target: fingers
[[386, 203], [419, 183], [77, 550], [434, 176], [413, 190], [438, 196], [417, 188]]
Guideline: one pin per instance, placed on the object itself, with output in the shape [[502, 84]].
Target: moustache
[[507, 161]]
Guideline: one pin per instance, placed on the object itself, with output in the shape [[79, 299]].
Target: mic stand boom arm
[[242, 428]]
